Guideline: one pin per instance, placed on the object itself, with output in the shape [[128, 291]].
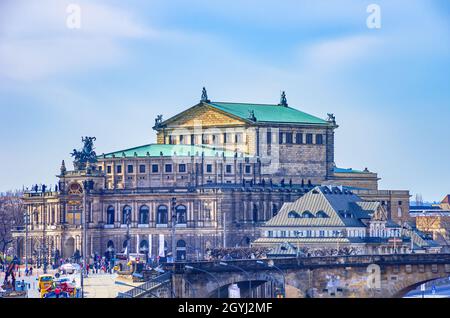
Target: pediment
[[203, 115]]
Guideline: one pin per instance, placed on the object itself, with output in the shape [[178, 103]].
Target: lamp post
[[208, 273], [44, 224], [245, 272], [174, 225], [281, 272], [128, 220], [87, 185], [26, 217]]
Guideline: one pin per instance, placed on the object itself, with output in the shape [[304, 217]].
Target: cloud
[[36, 42], [339, 52]]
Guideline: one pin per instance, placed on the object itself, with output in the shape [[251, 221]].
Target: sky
[[388, 87]]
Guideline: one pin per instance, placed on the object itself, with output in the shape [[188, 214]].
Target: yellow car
[[44, 282]]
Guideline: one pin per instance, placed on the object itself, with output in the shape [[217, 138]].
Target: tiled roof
[[268, 113], [342, 207], [156, 150]]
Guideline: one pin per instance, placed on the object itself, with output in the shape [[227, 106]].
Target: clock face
[[75, 188]]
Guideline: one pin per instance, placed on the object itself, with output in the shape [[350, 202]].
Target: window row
[[206, 139], [162, 214], [305, 233], [295, 138], [168, 168]]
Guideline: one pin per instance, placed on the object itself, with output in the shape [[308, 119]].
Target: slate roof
[[342, 207]]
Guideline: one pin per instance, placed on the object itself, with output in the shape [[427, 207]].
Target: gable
[[314, 202], [205, 115]]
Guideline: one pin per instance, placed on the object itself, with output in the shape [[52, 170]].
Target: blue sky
[[388, 87]]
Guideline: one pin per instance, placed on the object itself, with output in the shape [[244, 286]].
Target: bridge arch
[[407, 285], [242, 280]]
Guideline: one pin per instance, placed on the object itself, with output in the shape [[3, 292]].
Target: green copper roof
[[268, 113], [349, 170], [155, 150]]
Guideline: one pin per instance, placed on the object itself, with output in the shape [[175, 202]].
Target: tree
[[11, 216]]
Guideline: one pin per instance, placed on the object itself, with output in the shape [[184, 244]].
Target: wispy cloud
[[36, 42]]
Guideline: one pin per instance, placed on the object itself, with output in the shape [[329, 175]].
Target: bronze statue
[[87, 154]]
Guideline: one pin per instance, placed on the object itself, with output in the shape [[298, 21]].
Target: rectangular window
[[269, 137], [238, 138], [299, 138], [247, 169], [289, 138], [108, 169], [155, 168], [399, 202], [119, 169], [130, 169], [319, 139], [100, 168], [141, 168], [168, 168], [182, 167], [192, 139], [208, 168], [280, 138], [228, 168], [181, 139], [309, 139], [224, 138], [171, 140]]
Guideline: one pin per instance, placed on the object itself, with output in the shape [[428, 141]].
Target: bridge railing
[[147, 286], [311, 262]]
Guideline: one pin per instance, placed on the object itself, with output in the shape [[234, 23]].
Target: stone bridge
[[382, 276]]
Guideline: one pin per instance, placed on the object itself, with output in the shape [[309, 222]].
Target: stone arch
[[225, 280], [413, 281]]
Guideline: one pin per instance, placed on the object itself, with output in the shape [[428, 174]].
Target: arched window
[[181, 214], [110, 215], [321, 215], [143, 214], [255, 213], [126, 214], [162, 215], [293, 215], [307, 215]]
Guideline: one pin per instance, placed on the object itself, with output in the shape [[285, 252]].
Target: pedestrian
[[26, 271], [31, 270]]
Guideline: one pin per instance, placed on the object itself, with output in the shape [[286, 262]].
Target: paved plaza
[[95, 285]]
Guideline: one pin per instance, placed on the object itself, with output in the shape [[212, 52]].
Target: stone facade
[[227, 173]]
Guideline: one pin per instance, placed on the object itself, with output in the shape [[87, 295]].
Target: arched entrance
[[109, 250], [181, 250], [69, 247]]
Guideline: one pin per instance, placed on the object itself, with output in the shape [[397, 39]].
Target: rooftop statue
[[85, 155], [331, 118], [204, 97]]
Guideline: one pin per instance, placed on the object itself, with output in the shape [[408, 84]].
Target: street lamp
[[87, 185], [174, 225], [27, 220], [245, 272], [271, 264], [208, 273]]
